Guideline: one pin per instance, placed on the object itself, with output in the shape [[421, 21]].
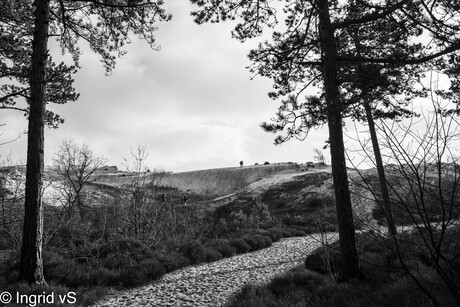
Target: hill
[[212, 183]]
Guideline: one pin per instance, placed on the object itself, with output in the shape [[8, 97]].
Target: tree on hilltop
[[333, 45], [105, 26]]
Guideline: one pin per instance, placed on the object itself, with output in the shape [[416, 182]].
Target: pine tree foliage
[[384, 48], [105, 25], [16, 34]]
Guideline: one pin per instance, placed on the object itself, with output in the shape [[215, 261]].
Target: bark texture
[[349, 265], [31, 262], [380, 170]]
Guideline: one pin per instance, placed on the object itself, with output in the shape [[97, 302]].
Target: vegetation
[[100, 238], [104, 250], [418, 265], [355, 52], [386, 284], [26, 28], [362, 55]]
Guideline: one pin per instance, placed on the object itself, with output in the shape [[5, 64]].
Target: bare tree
[[11, 196], [423, 178], [319, 156], [144, 208], [75, 166]]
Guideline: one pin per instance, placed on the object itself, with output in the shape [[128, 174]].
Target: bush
[[261, 232], [257, 242], [134, 249], [240, 244], [293, 232], [132, 275], [73, 274], [141, 273], [153, 268], [281, 285], [315, 203], [267, 241], [197, 252], [173, 261], [124, 263], [9, 268], [323, 260], [275, 234], [223, 247]]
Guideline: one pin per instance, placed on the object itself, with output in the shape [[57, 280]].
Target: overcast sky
[[192, 104]]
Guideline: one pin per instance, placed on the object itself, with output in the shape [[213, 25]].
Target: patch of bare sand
[[266, 183]]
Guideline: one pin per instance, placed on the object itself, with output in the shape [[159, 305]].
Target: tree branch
[[401, 61], [369, 17]]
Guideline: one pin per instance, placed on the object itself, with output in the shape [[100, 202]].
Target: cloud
[[192, 104]]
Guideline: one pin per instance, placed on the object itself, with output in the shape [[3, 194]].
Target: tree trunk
[[31, 263], [349, 265], [380, 170]]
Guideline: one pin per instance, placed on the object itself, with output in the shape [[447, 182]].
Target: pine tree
[[16, 34], [105, 26], [331, 44]]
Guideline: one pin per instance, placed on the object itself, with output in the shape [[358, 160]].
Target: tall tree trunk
[[349, 265], [31, 263], [380, 170]]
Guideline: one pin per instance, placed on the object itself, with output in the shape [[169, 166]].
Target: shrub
[[134, 248], [298, 233], [132, 275], [261, 232], [267, 241], [275, 234], [173, 261], [223, 247], [257, 216], [51, 258], [221, 228], [293, 232], [240, 244], [197, 252], [58, 268], [257, 242], [124, 263], [116, 261], [281, 285], [153, 268], [9, 268], [72, 274], [104, 277], [323, 260], [315, 203]]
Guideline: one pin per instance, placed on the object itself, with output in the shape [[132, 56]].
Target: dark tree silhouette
[[105, 26], [15, 53], [323, 43]]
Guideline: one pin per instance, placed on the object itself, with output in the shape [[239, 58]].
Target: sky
[[192, 104]]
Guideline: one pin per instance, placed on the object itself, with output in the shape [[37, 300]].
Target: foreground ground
[[212, 284]]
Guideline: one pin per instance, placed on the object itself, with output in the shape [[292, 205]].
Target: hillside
[[199, 184], [212, 182]]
